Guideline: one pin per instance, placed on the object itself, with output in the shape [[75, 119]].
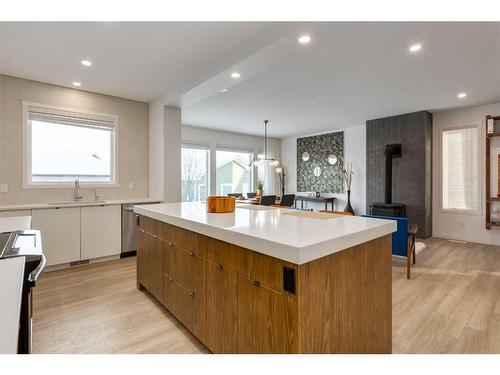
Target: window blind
[[460, 166], [71, 118]]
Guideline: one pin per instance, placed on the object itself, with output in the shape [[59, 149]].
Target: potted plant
[[260, 188]]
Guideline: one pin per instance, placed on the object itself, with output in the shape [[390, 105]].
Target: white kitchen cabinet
[[60, 228], [100, 231]]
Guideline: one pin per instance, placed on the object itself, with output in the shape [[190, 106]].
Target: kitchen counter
[[11, 285], [105, 202], [273, 231], [270, 280]]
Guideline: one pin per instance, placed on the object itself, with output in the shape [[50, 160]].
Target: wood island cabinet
[[235, 300]]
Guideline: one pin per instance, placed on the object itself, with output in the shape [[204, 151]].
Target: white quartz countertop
[[270, 231], [10, 224], [104, 202], [11, 285]]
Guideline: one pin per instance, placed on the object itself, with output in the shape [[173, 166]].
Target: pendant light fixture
[[257, 161]]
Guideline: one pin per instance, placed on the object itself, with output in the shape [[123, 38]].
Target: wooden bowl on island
[[220, 204]]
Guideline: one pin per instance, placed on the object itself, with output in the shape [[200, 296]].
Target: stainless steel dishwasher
[[129, 231]]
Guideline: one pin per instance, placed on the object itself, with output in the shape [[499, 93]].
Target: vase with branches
[[348, 172]]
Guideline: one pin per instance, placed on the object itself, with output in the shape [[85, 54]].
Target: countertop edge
[[39, 206], [296, 255]]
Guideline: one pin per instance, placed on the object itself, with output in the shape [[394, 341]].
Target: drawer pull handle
[[155, 236], [220, 267], [170, 243], [255, 283], [170, 278], [192, 294], [191, 253]]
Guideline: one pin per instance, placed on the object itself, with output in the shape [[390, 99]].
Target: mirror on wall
[[305, 156], [332, 159], [317, 171]]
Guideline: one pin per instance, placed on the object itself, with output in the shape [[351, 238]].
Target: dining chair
[[251, 195], [236, 195], [287, 200], [403, 240], [268, 200]]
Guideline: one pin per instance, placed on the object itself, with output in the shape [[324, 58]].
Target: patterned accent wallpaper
[[319, 148]]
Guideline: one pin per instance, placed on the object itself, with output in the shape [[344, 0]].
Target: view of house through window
[[66, 147], [233, 173], [194, 174], [460, 163]]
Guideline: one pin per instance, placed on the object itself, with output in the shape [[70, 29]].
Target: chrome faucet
[[96, 197], [76, 191]]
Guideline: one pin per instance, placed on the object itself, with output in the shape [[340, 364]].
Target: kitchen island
[[270, 280]]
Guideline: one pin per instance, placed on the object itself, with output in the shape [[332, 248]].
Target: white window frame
[[459, 211], [28, 183]]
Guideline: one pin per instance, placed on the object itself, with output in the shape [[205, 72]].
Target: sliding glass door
[[194, 173]]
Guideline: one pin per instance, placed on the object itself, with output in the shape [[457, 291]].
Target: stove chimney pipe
[[391, 151]]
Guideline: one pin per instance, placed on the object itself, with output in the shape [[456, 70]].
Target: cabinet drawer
[[180, 302], [228, 255], [184, 266], [265, 269], [188, 240], [146, 223]]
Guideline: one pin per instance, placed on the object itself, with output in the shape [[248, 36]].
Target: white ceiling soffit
[[349, 73], [136, 60]]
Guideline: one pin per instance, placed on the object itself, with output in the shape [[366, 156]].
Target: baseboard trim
[[462, 238], [127, 254]]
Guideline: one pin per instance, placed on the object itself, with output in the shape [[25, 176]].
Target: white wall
[[462, 226], [156, 157], [132, 150], [216, 138], [354, 151], [172, 134]]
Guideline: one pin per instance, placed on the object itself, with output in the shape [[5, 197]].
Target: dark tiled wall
[[412, 173]]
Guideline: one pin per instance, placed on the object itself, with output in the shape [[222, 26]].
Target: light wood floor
[[451, 305]]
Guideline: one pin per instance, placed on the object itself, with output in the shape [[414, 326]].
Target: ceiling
[[352, 72], [135, 60], [349, 73]]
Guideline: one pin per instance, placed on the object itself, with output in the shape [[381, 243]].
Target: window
[[460, 169], [62, 145], [194, 173], [233, 173]]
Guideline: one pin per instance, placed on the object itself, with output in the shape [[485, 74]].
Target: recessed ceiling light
[[461, 95], [76, 84], [235, 75], [223, 90], [87, 62], [304, 39], [415, 48]]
